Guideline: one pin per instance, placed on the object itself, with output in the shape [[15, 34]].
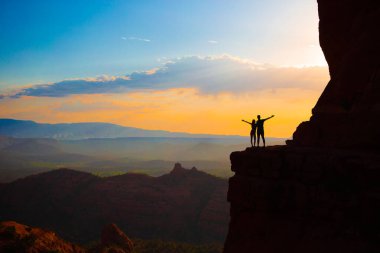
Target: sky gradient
[[190, 66]]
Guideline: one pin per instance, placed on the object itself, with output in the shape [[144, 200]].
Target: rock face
[[321, 192], [347, 114], [18, 238], [184, 205], [287, 199]]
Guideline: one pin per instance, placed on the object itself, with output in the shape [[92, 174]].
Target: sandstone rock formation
[[347, 114], [112, 236], [18, 238], [113, 240], [289, 199], [321, 192]]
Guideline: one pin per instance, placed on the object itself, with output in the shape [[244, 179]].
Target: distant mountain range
[[27, 147], [77, 131], [20, 157], [184, 205]]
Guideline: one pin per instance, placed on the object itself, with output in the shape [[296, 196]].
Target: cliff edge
[[291, 199], [320, 192], [347, 114]]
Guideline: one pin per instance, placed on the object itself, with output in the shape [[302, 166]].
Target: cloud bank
[[209, 75]]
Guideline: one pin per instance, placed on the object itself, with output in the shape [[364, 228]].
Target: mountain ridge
[[87, 130], [186, 205]]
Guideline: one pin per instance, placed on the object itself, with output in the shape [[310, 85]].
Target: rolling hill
[[183, 205]]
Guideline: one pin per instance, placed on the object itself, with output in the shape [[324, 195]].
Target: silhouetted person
[[260, 128], [253, 131]]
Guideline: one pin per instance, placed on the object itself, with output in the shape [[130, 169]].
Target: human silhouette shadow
[[253, 131], [260, 129]]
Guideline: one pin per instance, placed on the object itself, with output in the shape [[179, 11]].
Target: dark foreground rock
[[321, 192], [113, 240], [18, 238], [288, 199], [348, 112], [112, 236]]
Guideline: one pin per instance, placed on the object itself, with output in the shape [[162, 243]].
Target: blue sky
[[49, 41], [196, 66]]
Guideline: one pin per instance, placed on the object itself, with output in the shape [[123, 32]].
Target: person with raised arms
[[260, 129], [253, 131]]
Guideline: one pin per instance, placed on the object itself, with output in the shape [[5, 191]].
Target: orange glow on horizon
[[176, 110]]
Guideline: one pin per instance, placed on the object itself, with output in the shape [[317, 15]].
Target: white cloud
[[211, 74], [139, 39], [213, 42]]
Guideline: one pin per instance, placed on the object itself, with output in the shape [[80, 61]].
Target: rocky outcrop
[[287, 199], [347, 114], [112, 235], [185, 205], [18, 238], [321, 192], [113, 240]]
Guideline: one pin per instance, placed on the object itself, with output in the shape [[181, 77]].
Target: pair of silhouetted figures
[[257, 126]]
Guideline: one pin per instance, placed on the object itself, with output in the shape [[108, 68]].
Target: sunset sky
[[186, 66]]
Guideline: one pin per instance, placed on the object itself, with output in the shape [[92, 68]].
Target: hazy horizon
[[190, 135]]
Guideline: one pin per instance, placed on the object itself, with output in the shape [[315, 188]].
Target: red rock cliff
[[291, 199], [321, 192], [348, 112]]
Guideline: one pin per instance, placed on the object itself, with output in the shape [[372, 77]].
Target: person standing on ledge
[[253, 131], [260, 129]]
